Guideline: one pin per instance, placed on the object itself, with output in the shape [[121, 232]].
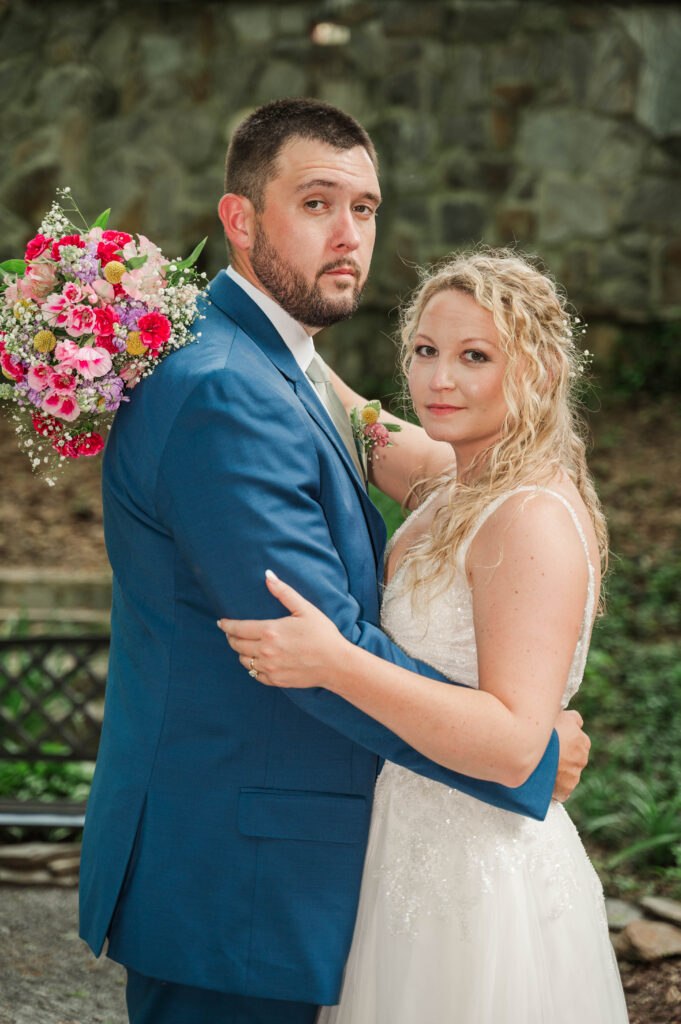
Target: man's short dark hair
[[258, 139]]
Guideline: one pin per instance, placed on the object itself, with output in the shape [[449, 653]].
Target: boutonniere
[[368, 432]]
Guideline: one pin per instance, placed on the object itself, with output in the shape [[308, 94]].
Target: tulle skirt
[[472, 915]]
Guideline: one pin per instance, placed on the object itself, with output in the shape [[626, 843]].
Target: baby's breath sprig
[[582, 358]]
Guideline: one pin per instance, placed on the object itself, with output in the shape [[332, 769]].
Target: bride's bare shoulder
[[535, 526]]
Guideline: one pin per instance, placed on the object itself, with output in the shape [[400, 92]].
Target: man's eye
[[366, 211], [315, 204]]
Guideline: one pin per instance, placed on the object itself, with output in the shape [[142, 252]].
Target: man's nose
[[346, 236]]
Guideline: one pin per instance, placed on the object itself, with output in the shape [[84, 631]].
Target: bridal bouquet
[[83, 317]]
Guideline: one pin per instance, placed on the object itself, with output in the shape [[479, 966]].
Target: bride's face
[[456, 374]]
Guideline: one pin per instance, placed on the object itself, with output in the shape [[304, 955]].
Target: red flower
[[79, 445], [155, 330], [65, 447], [66, 240], [104, 324], [107, 251], [46, 426], [121, 238], [90, 445], [36, 247]]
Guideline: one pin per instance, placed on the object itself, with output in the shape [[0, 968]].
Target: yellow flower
[[369, 415], [134, 343], [113, 271], [44, 341]]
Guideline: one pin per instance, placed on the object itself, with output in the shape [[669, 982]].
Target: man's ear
[[238, 219]]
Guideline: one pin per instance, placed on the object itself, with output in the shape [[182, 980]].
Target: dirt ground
[[48, 976]]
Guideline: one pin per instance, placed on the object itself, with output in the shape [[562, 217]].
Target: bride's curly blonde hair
[[543, 431]]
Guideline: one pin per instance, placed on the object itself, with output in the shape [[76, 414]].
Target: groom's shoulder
[[220, 346]]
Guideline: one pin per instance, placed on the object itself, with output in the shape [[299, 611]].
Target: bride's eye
[[425, 351], [474, 355]]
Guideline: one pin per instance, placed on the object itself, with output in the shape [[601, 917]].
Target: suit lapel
[[238, 306]]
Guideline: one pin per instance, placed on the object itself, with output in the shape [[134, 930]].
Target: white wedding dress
[[469, 914]]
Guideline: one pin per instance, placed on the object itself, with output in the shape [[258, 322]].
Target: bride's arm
[[527, 611], [412, 456]]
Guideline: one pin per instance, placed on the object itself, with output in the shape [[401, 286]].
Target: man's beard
[[305, 302]]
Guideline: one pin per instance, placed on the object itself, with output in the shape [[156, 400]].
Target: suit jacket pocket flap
[[298, 814]]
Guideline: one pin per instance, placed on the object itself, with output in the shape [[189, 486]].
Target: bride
[[470, 914]]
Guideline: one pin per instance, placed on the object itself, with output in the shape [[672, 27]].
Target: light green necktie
[[318, 375]]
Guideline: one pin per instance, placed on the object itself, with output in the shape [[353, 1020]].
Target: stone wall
[[556, 125]]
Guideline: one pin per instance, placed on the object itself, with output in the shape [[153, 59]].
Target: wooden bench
[[51, 706]]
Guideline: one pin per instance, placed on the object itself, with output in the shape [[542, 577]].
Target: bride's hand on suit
[[294, 651], [305, 649]]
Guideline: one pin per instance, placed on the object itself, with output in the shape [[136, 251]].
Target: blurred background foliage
[[553, 127]]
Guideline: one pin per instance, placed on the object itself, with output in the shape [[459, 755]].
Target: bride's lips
[[443, 410]]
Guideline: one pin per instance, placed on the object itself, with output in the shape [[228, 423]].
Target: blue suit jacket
[[227, 823]]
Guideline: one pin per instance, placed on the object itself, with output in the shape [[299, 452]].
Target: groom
[[226, 829]]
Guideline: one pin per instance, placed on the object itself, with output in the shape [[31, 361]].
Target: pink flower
[[92, 362], [131, 374], [66, 353], [72, 292], [38, 280], [39, 376], [55, 309], [11, 367], [81, 320], [379, 434], [66, 240], [37, 246], [104, 290], [61, 381], [64, 406], [155, 329], [12, 293]]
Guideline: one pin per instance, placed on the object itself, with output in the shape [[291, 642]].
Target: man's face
[[314, 239]]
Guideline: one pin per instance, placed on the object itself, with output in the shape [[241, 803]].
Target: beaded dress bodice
[[445, 849]]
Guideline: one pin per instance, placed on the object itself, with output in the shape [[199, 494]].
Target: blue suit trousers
[[151, 1001]]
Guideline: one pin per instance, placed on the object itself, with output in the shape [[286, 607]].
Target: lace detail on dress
[[447, 850]]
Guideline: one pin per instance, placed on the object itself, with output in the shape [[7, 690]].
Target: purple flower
[[36, 397], [129, 313], [87, 268], [111, 390]]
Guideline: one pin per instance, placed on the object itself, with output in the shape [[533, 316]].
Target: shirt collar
[[296, 338]]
